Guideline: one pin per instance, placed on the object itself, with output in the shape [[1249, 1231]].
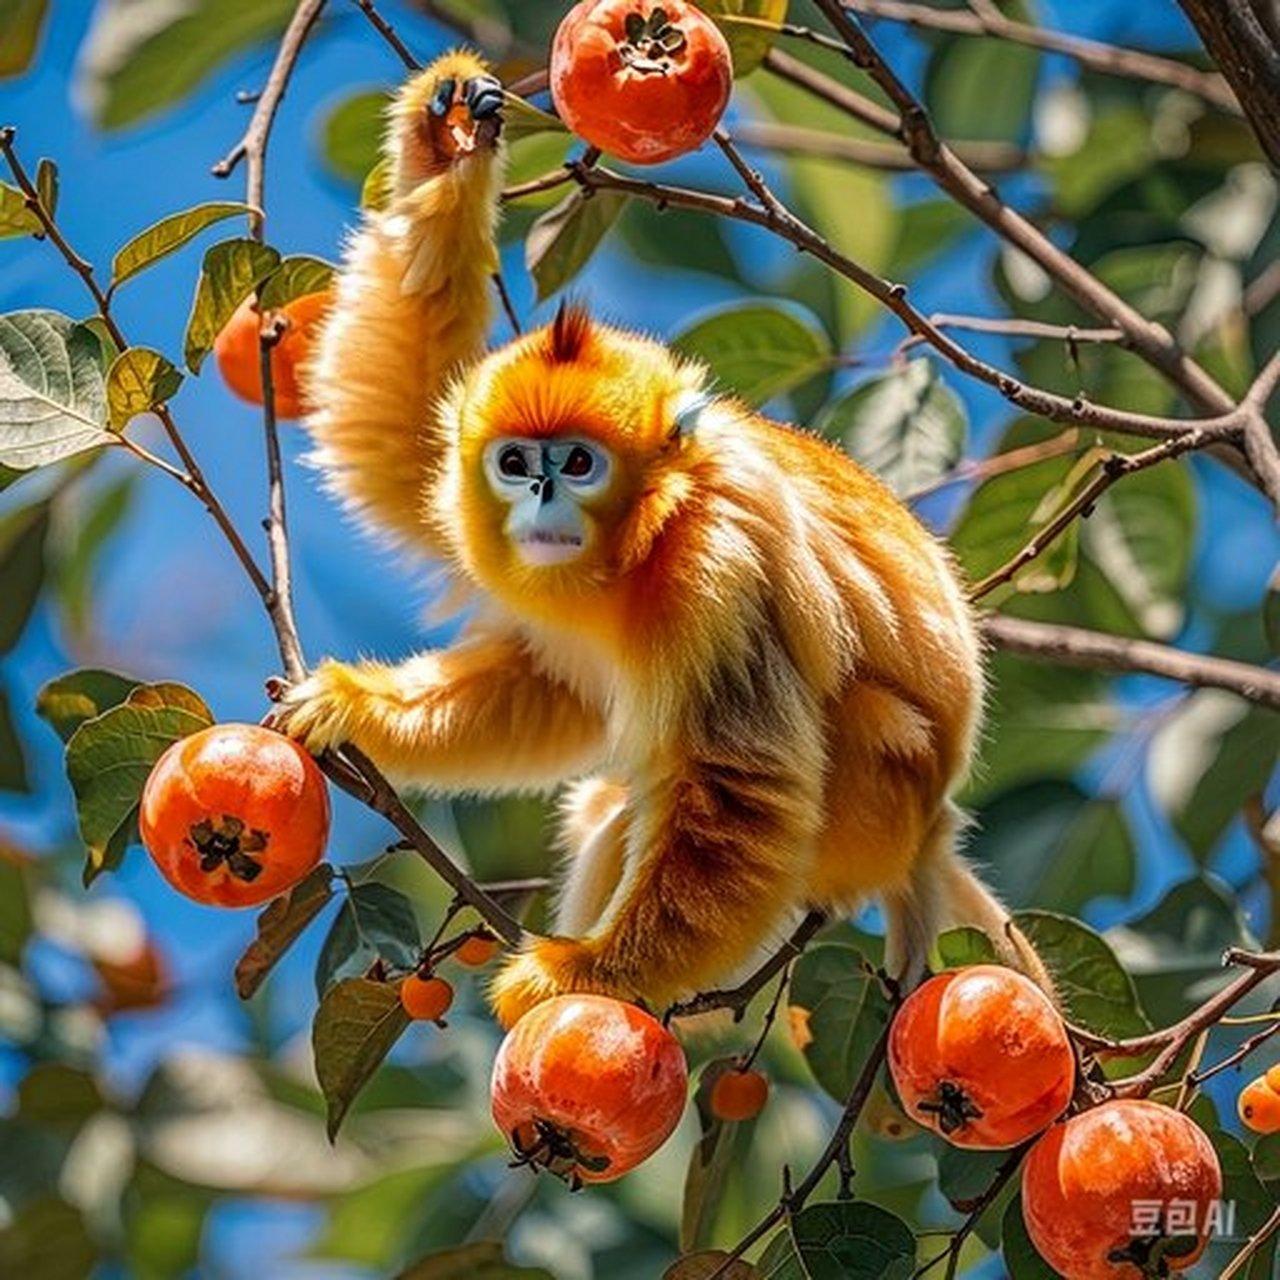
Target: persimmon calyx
[[953, 1107], [553, 1148], [1151, 1254], [228, 842], [651, 42]]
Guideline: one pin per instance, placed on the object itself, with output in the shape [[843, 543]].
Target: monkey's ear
[[690, 406]]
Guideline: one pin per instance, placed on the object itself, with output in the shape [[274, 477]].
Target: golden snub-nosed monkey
[[752, 665]]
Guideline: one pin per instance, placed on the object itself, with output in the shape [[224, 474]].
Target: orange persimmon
[[738, 1094], [234, 815], [645, 80], [426, 999], [588, 1087], [981, 1056], [1259, 1105]]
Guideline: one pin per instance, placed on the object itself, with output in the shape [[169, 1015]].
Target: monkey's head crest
[[575, 445]]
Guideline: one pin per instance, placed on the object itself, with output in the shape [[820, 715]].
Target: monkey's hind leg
[[945, 893], [593, 837]]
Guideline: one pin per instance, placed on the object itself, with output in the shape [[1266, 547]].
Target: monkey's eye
[[579, 464], [512, 463]]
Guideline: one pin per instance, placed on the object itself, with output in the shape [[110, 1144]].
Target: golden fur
[[764, 656]]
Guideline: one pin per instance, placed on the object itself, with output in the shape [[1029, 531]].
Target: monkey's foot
[[552, 967]]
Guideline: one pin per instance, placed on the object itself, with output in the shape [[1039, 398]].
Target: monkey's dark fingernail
[[484, 96], [442, 99], [276, 687]]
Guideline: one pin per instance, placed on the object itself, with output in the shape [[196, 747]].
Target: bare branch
[[1105, 58], [1096, 651], [388, 33], [1251, 1247], [252, 147]]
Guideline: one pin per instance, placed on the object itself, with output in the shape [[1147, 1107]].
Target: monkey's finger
[[484, 96], [276, 687], [442, 99]]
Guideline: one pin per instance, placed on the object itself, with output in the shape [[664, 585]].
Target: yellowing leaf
[[139, 380]]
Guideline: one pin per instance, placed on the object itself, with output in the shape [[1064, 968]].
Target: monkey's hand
[[553, 967], [321, 711]]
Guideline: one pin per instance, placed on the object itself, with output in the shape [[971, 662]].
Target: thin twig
[[1251, 1247], [252, 147], [999, 464], [1238, 1055], [1134, 64], [388, 33], [1095, 651]]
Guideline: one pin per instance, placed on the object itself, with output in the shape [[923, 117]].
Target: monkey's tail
[[946, 893]]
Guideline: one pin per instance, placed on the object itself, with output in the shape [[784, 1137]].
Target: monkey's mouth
[[544, 548]]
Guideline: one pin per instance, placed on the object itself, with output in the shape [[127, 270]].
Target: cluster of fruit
[[1259, 1103]]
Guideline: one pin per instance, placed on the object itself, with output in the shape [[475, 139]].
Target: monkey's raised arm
[[412, 301]]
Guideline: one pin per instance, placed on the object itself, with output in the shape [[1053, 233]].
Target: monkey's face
[[548, 487]]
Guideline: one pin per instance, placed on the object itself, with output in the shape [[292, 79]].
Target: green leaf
[[841, 1240], [355, 1027], [707, 1175], [106, 509], [139, 381], [14, 775], [295, 277], [908, 427], [1141, 534], [52, 397], [376, 923], [48, 1239], [960, 947], [678, 238], [1271, 613], [562, 240], [59, 1096], [47, 185], [23, 537], [757, 351], [521, 119], [846, 1012], [710, 1263], [164, 1223], [16, 891], [1091, 984], [1020, 1256], [1207, 760], [21, 21], [748, 40], [981, 90], [67, 702], [1049, 844], [139, 60], [483, 1260], [351, 136], [280, 925], [168, 236], [110, 756], [376, 190], [964, 1176], [231, 271], [16, 219], [1266, 1158]]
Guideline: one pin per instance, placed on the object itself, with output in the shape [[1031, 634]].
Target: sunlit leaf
[[355, 1027], [841, 1240], [1091, 984], [23, 537], [21, 21], [749, 40], [846, 1010], [908, 426], [230, 273], [376, 923], [67, 702], [140, 59], [521, 119], [140, 380], [168, 236], [47, 185], [52, 394], [17, 887], [960, 947], [560, 243], [757, 351], [376, 189], [110, 756], [280, 925], [295, 277]]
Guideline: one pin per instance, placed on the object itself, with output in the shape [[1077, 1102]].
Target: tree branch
[[1096, 56], [1096, 651]]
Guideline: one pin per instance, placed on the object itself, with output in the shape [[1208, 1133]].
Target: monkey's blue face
[[545, 484]]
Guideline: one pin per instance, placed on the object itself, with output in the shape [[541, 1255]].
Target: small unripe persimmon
[[1259, 1105], [425, 999], [738, 1095], [477, 950], [982, 1057], [1272, 1077]]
